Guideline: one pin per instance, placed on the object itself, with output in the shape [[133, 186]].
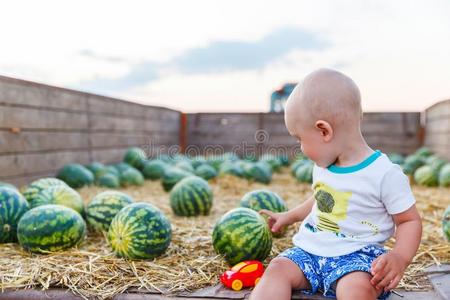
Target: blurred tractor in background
[[279, 97]]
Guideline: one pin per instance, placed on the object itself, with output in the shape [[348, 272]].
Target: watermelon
[[437, 164], [298, 163], [258, 172], [426, 176], [108, 180], [75, 175], [59, 194], [423, 152], [96, 168], [172, 176], [185, 165], [112, 170], [444, 176], [192, 196], [396, 158], [135, 157], [103, 207], [122, 167], [5, 184], [412, 163], [284, 159], [198, 161], [37, 186], [205, 171], [242, 234], [273, 161], [131, 176], [446, 223], [231, 168], [154, 169], [139, 231], [265, 199], [12, 206], [304, 172], [50, 228]]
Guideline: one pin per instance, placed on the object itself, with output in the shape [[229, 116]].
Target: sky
[[218, 55]]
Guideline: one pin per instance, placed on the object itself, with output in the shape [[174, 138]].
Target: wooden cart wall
[[44, 127], [437, 133]]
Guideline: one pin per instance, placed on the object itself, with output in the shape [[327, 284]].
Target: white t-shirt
[[353, 206]]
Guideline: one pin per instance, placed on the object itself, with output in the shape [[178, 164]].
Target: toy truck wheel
[[236, 285], [257, 280]]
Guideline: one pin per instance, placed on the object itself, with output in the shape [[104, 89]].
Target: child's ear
[[325, 130]]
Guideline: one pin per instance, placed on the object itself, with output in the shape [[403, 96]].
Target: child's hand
[[387, 270], [276, 220]]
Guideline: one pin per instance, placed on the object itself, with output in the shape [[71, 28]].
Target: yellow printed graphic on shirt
[[332, 207]]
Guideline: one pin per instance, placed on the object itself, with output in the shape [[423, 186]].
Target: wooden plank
[[440, 139], [438, 111], [22, 180], [23, 164], [99, 105], [35, 118], [110, 155], [438, 126], [31, 141], [16, 92]]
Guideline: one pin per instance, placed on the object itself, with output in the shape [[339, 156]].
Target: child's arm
[[299, 213], [388, 269]]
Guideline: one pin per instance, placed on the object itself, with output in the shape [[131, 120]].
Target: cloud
[[218, 56]]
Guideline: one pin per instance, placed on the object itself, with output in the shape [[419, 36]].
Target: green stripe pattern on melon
[[59, 194], [50, 228], [242, 234], [192, 196], [37, 186], [104, 207], [139, 231], [172, 176], [12, 207]]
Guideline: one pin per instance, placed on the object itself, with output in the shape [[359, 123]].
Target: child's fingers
[[267, 213], [375, 261], [386, 280], [380, 264], [393, 283], [276, 226], [378, 276]]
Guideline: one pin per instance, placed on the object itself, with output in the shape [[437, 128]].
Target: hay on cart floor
[[190, 263]]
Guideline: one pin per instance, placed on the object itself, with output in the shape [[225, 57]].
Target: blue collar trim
[[343, 170]]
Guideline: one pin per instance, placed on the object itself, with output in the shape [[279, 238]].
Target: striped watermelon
[[59, 194], [259, 172], [154, 169], [192, 196], [103, 207], [206, 172], [304, 173], [37, 186], [12, 206], [97, 168], [185, 165], [265, 199], [5, 184], [273, 161], [242, 234], [172, 176], [444, 176], [139, 231], [50, 228], [135, 157]]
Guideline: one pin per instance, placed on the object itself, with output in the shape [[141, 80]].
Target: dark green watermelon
[[97, 168], [135, 157], [108, 180], [139, 231], [154, 169], [242, 234], [50, 228], [75, 175], [192, 196], [131, 176], [185, 165], [103, 208], [12, 206], [304, 173], [231, 168], [206, 172], [172, 176], [259, 172]]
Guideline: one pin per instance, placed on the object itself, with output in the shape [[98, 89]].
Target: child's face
[[314, 145]]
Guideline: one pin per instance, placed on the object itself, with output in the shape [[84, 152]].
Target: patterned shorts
[[323, 272]]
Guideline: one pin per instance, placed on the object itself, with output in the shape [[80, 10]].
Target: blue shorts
[[323, 272]]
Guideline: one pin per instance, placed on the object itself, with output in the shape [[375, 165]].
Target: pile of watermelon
[[424, 167]]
